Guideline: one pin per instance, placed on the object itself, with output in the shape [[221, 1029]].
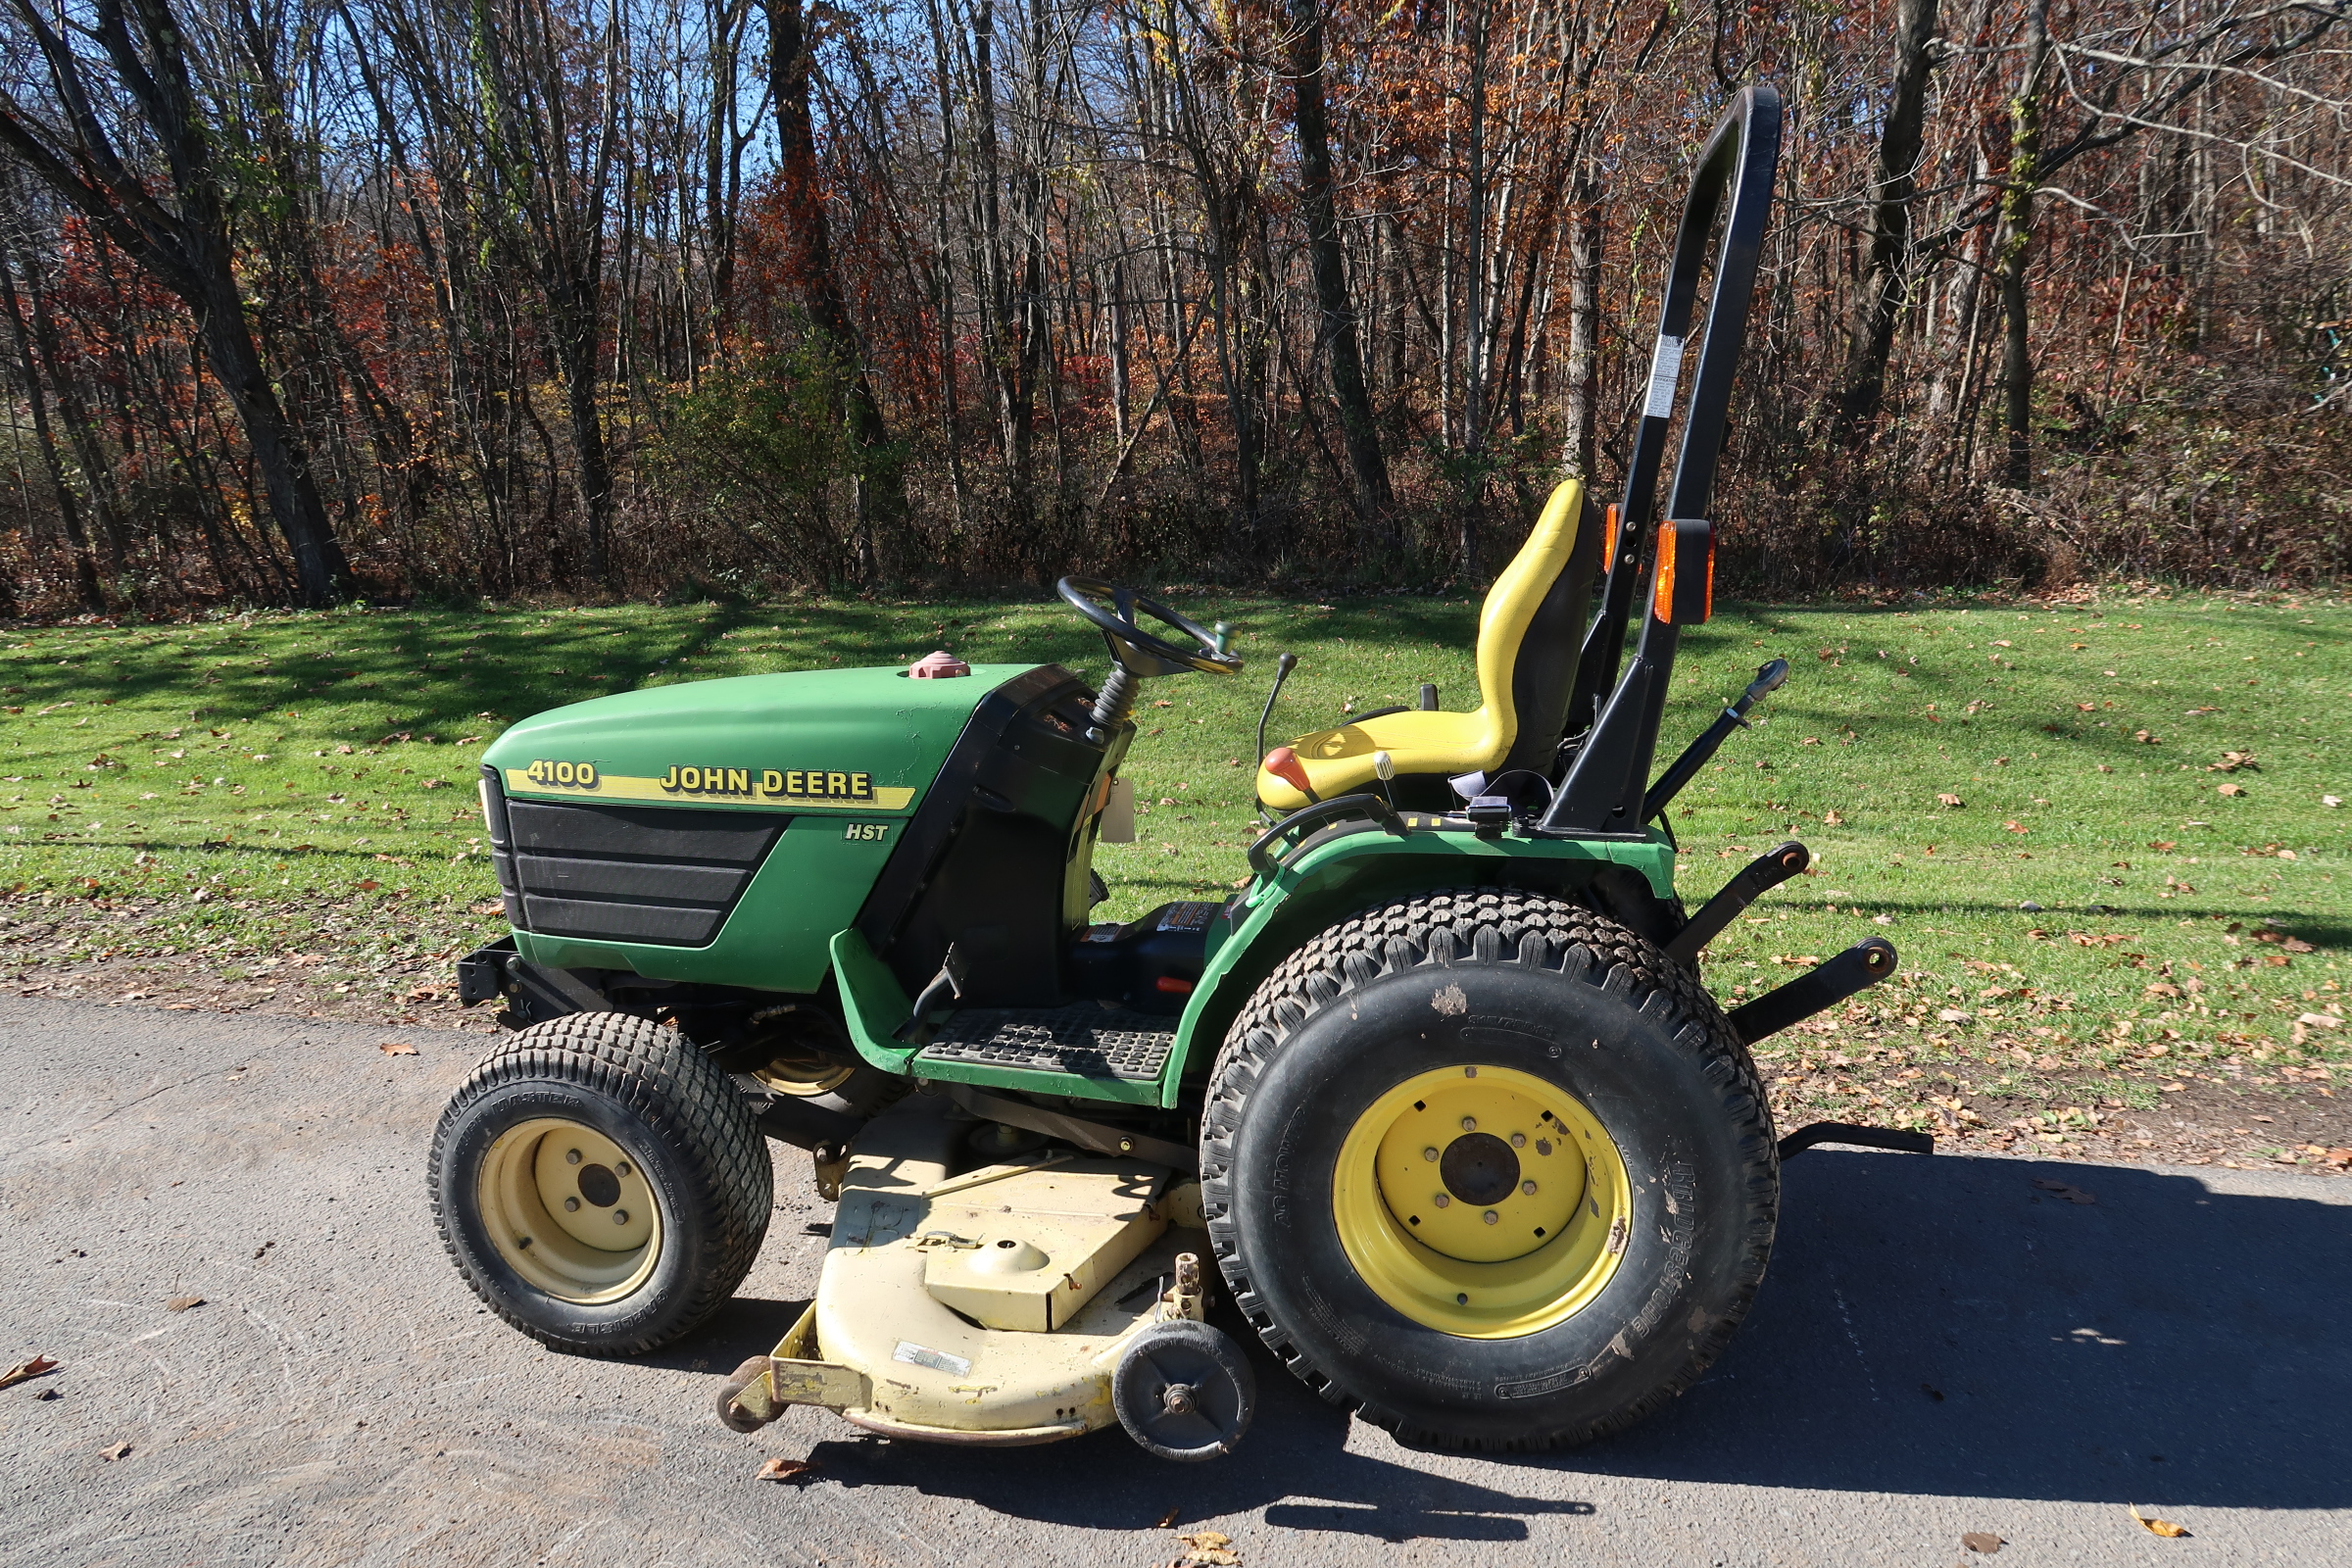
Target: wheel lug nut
[[572, 1206], [1469, 1124], [571, 1156], [1518, 1140], [1441, 1201], [1490, 1216], [1429, 1154], [620, 1216], [620, 1167], [1529, 1188]]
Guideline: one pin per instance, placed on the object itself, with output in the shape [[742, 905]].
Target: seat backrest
[[1529, 631]]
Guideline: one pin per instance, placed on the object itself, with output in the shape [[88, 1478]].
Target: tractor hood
[[847, 740]]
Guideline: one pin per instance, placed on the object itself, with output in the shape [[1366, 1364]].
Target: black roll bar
[[1604, 790]]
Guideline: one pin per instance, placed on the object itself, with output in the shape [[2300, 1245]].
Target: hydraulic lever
[[1670, 783]]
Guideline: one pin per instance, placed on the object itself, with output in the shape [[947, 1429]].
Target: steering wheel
[[1136, 650]]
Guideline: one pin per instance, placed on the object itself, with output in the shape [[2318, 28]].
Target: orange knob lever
[[1282, 763]]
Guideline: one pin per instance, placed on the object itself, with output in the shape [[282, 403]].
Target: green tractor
[[1440, 1092]]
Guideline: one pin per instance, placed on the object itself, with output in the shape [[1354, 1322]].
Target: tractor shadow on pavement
[[1931, 1327], [1945, 1326]]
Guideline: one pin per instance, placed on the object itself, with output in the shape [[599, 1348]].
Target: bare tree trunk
[[1879, 292], [881, 486], [2016, 252], [1338, 337], [69, 506], [1583, 375]]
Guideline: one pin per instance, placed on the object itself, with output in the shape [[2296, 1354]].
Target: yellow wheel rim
[[569, 1210], [1482, 1200]]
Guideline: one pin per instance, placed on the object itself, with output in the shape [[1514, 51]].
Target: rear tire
[[1470, 1285], [601, 1184]]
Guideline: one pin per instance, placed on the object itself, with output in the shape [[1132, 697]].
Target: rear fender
[[1347, 868]]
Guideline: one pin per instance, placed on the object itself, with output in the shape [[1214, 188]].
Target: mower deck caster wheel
[[1184, 1391], [732, 1415]]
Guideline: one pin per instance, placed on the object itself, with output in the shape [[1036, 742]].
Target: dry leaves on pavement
[[1981, 1541], [116, 1451], [1207, 1549], [180, 1303], [397, 1048], [2154, 1525], [780, 1468], [23, 1371]]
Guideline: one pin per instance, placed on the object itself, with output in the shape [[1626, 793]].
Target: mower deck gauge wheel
[[1184, 1391]]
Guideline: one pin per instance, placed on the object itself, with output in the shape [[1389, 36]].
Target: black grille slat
[[640, 832], [1087, 1040], [611, 920], [574, 877], [663, 875]]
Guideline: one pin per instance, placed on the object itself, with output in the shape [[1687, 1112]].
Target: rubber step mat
[[1086, 1041]]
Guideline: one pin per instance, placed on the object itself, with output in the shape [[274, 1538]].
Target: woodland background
[[318, 299]]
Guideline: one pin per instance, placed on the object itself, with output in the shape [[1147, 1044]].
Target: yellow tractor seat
[[1523, 684]]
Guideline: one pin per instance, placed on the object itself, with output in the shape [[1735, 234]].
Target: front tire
[[1489, 1168], [601, 1184]]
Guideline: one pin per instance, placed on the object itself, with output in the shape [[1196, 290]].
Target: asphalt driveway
[[1943, 1346]]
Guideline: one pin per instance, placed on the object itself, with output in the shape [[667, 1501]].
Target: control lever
[[1685, 766], [944, 986], [1283, 663]]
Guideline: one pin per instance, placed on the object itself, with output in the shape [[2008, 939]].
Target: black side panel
[[990, 857], [624, 873]]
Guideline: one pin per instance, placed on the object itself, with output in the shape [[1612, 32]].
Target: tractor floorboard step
[[1086, 1041]]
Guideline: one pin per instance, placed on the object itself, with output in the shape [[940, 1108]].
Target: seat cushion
[[1339, 761]]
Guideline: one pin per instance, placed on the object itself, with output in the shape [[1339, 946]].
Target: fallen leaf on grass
[[2229, 789], [397, 1048], [23, 1371], [2153, 1526], [1832, 819], [120, 1450], [1984, 1541], [780, 1468], [2073, 1195], [180, 1303], [1947, 800]]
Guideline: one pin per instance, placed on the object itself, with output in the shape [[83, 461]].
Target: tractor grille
[[1087, 1040], [626, 873]]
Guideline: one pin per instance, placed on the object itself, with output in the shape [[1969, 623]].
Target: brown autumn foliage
[[401, 298]]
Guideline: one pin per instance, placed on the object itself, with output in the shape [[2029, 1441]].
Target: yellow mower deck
[[988, 1308]]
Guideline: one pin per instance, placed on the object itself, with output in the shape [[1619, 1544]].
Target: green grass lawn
[[2153, 774]]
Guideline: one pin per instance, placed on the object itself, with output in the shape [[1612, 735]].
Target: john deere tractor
[[1439, 1100]]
